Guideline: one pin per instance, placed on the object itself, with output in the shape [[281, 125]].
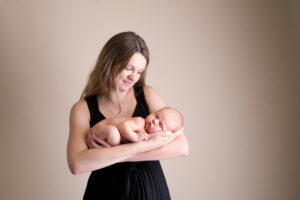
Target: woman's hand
[[157, 140], [95, 142]]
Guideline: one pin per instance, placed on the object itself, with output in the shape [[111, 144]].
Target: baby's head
[[165, 119]]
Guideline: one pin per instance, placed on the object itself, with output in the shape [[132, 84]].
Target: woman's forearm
[[176, 148], [163, 147], [92, 159]]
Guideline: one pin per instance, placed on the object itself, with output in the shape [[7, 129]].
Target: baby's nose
[[151, 124], [155, 122]]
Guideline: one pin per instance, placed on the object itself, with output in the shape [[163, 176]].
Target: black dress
[[143, 180]]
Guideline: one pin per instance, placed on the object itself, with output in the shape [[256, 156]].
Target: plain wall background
[[231, 68]]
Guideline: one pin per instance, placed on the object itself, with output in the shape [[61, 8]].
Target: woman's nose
[[132, 76]]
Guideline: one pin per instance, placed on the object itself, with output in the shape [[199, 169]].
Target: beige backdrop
[[230, 66]]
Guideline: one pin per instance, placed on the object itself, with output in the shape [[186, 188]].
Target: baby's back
[[114, 121]]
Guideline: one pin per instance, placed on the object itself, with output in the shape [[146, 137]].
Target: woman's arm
[[178, 147], [81, 159]]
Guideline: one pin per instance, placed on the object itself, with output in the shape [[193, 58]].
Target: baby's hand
[[142, 136]]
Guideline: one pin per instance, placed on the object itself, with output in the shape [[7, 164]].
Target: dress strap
[[95, 115], [141, 100]]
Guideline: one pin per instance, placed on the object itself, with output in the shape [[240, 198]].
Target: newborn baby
[[122, 130]]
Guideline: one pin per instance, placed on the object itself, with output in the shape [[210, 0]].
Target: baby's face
[[161, 120]]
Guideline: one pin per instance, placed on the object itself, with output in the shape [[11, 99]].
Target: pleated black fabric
[[129, 180]]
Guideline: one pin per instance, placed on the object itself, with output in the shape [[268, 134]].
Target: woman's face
[[132, 72]]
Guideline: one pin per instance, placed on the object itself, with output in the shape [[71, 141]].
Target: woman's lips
[[128, 83]]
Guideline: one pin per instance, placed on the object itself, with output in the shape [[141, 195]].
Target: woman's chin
[[124, 88]]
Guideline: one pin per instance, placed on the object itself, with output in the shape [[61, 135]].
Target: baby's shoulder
[[138, 119]]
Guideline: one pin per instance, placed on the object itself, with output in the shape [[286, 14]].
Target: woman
[[116, 88]]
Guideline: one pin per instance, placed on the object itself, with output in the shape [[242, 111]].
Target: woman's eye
[[140, 73]]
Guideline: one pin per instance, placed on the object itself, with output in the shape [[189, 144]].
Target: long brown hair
[[113, 58]]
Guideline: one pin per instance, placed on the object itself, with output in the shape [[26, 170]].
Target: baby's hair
[[179, 114]]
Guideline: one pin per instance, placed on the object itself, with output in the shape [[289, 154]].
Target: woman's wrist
[[140, 146]]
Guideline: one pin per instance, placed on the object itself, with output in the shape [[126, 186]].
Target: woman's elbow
[[184, 146], [184, 150], [74, 170], [75, 167]]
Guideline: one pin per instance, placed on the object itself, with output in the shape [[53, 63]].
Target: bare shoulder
[[153, 99], [133, 120], [150, 91], [80, 110], [136, 123], [138, 120], [80, 106]]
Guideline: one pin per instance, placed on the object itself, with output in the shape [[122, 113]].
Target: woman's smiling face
[[132, 72]]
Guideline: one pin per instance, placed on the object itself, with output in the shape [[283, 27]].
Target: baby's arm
[[131, 129]]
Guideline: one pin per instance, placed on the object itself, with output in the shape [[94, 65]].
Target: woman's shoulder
[[80, 107], [153, 98], [81, 104], [149, 90]]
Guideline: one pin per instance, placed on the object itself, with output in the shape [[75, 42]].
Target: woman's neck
[[112, 105], [115, 97]]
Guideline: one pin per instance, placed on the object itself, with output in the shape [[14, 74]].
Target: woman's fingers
[[100, 141], [168, 133], [94, 142], [95, 145], [170, 138], [90, 142], [164, 137], [178, 133]]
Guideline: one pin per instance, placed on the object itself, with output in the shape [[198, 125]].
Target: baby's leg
[[134, 137], [109, 133]]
